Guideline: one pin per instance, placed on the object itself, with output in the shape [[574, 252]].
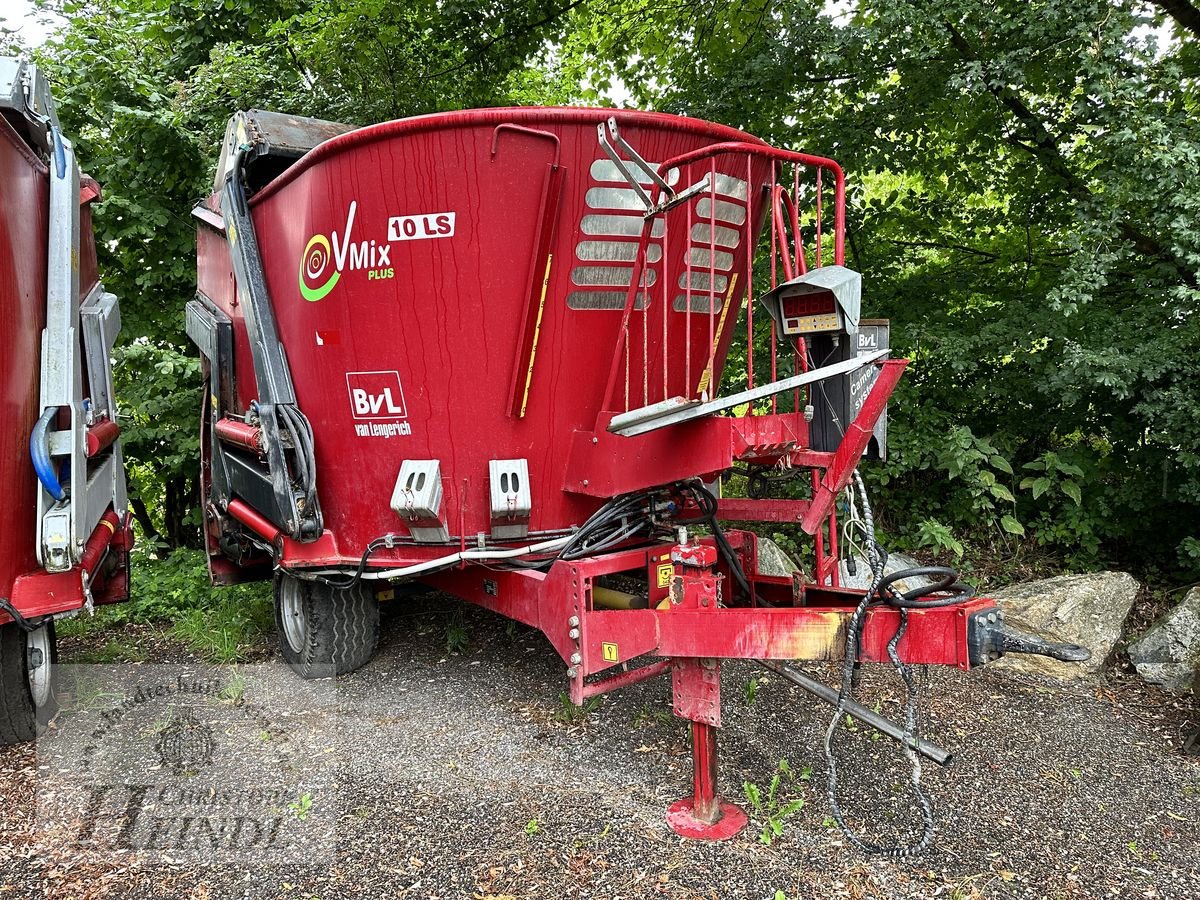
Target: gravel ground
[[460, 775]]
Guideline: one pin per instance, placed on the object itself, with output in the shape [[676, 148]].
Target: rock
[[861, 578], [773, 561], [1169, 653], [1081, 609]]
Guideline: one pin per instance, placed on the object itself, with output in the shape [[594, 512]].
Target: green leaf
[[1040, 486], [1071, 489], [999, 462], [1012, 526], [1000, 492]]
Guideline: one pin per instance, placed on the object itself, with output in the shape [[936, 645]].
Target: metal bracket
[[77, 336], [24, 89], [671, 199], [696, 690]]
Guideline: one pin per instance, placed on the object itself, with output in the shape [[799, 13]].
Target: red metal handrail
[[791, 267]]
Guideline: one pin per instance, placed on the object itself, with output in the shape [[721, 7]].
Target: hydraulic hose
[[915, 598], [39, 451], [444, 562]]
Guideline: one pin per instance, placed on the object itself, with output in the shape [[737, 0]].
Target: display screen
[[810, 313]]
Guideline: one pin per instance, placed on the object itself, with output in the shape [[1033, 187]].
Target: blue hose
[[39, 450]]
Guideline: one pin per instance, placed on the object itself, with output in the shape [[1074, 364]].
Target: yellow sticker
[[610, 652], [665, 571]]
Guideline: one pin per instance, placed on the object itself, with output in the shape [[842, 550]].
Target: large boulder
[[773, 561], [1169, 653], [1080, 609], [862, 576]]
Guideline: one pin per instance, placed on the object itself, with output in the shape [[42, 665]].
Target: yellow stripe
[[712, 359], [537, 331]]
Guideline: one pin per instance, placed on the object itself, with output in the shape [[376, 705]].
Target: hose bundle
[[947, 591]]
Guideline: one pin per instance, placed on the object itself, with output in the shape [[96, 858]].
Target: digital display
[[810, 313]]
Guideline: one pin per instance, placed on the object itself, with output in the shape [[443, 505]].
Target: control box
[[837, 401]]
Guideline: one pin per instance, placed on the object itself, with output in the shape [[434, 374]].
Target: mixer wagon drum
[[65, 545], [485, 351]]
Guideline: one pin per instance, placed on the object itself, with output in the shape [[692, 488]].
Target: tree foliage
[[1026, 180], [1025, 205]]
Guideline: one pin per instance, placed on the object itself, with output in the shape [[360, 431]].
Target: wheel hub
[[291, 601], [37, 654]]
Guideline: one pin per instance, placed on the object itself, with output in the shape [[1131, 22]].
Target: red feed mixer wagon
[[483, 351], [65, 543]]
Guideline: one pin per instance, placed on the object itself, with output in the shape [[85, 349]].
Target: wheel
[[28, 663], [323, 630]]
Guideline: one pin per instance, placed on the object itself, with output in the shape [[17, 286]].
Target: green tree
[[1025, 183]]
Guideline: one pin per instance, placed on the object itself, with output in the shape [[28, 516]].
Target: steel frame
[[695, 631]]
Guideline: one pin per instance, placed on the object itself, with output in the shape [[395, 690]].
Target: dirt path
[[456, 776]]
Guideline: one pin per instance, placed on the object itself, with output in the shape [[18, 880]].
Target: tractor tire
[[324, 631], [28, 681]]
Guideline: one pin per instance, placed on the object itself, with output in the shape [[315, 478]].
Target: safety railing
[[711, 288]]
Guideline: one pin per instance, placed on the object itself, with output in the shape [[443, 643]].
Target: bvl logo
[[376, 395]]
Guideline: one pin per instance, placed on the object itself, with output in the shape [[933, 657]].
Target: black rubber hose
[[708, 505], [915, 598]]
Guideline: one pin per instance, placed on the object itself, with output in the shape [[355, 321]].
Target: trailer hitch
[[988, 639]]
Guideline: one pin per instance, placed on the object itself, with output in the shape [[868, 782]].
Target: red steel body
[[482, 285], [442, 328], [24, 226]]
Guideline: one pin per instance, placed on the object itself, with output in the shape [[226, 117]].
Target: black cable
[[347, 583], [882, 592], [608, 525], [915, 598], [23, 623], [303, 446], [708, 504]]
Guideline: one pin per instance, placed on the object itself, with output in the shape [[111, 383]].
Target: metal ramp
[[677, 410]]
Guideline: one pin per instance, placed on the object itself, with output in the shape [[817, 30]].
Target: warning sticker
[[611, 654], [665, 571]]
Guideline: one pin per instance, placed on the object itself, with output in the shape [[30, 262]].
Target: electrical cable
[[433, 565], [21, 622], [881, 591]]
